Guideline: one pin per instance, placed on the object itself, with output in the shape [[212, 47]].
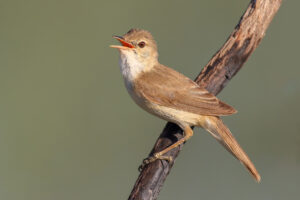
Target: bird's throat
[[132, 66]]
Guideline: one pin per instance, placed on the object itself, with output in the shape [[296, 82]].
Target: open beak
[[125, 45]]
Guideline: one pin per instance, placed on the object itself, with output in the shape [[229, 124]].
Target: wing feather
[[167, 87]]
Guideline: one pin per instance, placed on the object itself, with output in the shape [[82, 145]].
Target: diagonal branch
[[215, 75]]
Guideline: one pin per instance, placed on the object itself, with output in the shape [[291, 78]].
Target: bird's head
[[139, 45]]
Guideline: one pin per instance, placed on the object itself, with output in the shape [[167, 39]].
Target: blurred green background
[[69, 130]]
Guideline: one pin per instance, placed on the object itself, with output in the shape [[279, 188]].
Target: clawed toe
[[151, 159]]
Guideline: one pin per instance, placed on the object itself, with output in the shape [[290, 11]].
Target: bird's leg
[[188, 132]]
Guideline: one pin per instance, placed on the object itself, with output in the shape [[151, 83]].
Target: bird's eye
[[142, 44]]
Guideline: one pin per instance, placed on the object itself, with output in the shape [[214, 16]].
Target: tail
[[215, 126]]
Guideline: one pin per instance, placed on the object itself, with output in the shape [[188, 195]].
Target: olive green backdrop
[[69, 130]]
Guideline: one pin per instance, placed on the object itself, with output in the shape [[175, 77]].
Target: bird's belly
[[178, 117]]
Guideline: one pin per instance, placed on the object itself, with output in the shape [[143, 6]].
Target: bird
[[173, 97]]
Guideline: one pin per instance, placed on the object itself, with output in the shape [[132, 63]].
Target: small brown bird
[[172, 96]]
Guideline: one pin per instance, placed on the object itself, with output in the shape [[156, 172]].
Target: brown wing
[[167, 87]]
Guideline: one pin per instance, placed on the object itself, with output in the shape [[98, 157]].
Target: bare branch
[[215, 75]]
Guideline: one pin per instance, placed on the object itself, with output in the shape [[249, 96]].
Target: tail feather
[[219, 131]]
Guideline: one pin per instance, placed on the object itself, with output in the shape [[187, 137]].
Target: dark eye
[[142, 44]]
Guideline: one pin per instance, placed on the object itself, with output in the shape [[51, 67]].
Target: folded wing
[[167, 87]]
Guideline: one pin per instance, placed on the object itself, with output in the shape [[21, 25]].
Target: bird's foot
[[151, 159]]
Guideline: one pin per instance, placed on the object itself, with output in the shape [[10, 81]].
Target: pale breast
[[130, 66], [130, 69]]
